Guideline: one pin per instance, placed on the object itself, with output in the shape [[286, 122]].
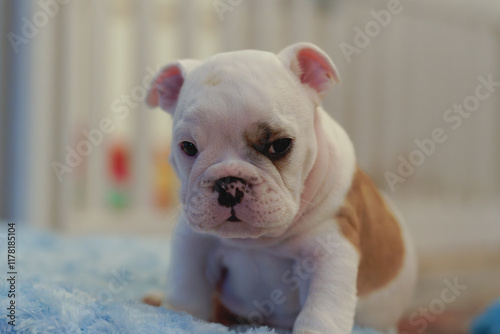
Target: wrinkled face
[[243, 145]]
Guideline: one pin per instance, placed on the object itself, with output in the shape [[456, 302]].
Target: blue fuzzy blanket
[[93, 285]]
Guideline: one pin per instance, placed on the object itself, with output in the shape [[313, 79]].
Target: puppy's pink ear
[[166, 88], [311, 65]]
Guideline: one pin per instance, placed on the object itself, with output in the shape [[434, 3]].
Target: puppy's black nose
[[231, 190]]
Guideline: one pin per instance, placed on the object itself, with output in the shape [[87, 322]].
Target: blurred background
[[80, 152]]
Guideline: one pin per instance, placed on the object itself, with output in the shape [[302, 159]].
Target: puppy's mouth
[[233, 217]]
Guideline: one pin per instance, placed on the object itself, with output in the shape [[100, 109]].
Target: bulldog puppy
[[279, 226]]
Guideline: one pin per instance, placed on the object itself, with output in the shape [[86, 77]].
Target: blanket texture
[[93, 285]]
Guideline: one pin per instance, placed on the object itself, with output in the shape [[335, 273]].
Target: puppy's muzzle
[[231, 190]]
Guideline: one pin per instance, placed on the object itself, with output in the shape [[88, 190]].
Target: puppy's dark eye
[[280, 146], [189, 148]]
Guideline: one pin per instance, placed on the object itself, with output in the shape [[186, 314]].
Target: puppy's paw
[[154, 298]]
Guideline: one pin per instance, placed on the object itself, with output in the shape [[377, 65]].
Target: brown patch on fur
[[151, 300], [366, 221], [259, 139], [222, 314], [212, 80]]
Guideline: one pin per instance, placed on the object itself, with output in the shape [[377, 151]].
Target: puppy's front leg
[[330, 301], [188, 288]]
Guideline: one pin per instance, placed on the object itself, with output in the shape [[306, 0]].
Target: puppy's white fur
[[287, 262]]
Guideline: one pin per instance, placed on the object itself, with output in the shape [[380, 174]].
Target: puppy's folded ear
[[311, 65], [167, 85]]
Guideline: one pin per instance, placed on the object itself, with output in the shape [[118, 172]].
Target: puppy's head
[[243, 135]]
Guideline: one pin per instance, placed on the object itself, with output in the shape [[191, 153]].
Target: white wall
[[14, 119]]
